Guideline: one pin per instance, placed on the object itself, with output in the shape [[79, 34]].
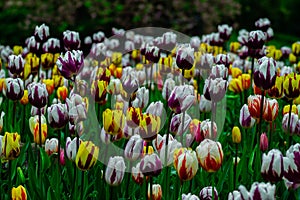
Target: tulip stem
[[182, 73], [128, 179], [235, 164], [252, 68], [14, 113], [82, 183], [182, 128], [213, 117], [213, 188], [58, 156], [166, 155], [289, 125], [40, 127], [261, 112]]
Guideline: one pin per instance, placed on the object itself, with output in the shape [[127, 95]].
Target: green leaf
[[45, 160]]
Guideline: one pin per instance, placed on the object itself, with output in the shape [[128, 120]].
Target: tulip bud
[[246, 121], [134, 148], [58, 115], [181, 98], [18, 193], [291, 86], [52, 46], [156, 192], [33, 45], [265, 75], [261, 191], [71, 40], [71, 148], [41, 33], [14, 88], [152, 53], [185, 57], [151, 165], [10, 147], [290, 128], [185, 163], [156, 108], [272, 166], [87, 155], [167, 157], [195, 129], [15, 64], [51, 146], [160, 141], [206, 193], [215, 89], [223, 59], [114, 173], [236, 135], [210, 155], [264, 143], [34, 129], [256, 39], [254, 106], [141, 99]]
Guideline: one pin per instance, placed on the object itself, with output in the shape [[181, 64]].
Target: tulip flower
[[136, 174], [71, 40], [149, 126], [62, 93], [215, 89], [10, 146], [15, 64], [41, 33], [87, 155], [179, 125], [152, 53], [185, 57], [155, 108], [236, 85], [254, 102], [113, 121], [236, 135], [98, 91], [286, 109], [204, 104], [271, 110], [165, 65], [33, 45], [166, 152], [134, 148], [206, 130], [133, 117], [262, 24], [51, 146], [277, 90], [70, 64], [206, 193], [195, 129], [181, 98], [58, 115], [219, 71], [168, 87], [18, 193], [223, 59], [292, 165], [24, 100], [1, 121], [261, 191], [142, 98], [160, 141], [185, 163], [289, 128], [14, 89], [225, 31], [272, 166], [242, 193], [296, 48], [151, 165], [37, 95], [34, 128], [71, 149], [130, 83], [210, 155], [156, 192], [77, 109], [114, 173], [291, 86], [114, 86], [263, 142], [256, 39], [52, 45], [189, 196]]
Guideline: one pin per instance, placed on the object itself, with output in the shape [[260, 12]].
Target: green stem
[[182, 128], [213, 188], [82, 184], [128, 180], [252, 68], [13, 116], [234, 167], [290, 140], [151, 189]]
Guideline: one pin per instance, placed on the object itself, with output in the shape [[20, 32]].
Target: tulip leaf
[[251, 160], [45, 160]]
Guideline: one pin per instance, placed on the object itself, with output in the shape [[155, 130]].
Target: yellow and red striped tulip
[[10, 146], [185, 163], [87, 155], [18, 193]]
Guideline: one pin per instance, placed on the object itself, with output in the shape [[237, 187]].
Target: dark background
[[195, 17]]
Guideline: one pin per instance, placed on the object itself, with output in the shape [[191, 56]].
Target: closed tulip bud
[[141, 99], [225, 31], [156, 108], [204, 104], [18, 193], [181, 98], [206, 129], [52, 45], [265, 75], [71, 40], [185, 163], [113, 121], [151, 165], [98, 91], [34, 128], [223, 59], [292, 165], [178, 125], [210, 155], [17, 49], [41, 33], [236, 135], [256, 39], [206, 193], [168, 87], [264, 142], [14, 88], [37, 94], [105, 137], [271, 110], [87, 155], [195, 129], [156, 192], [261, 191], [291, 129], [136, 174], [262, 24], [10, 147], [254, 106], [149, 126], [215, 89], [272, 166], [24, 100], [185, 57], [242, 193], [152, 53], [51, 146], [236, 85], [134, 148], [58, 115], [189, 196], [32, 44], [62, 93], [15, 64], [71, 148], [286, 109], [114, 173]]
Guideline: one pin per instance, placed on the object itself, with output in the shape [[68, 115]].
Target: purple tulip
[[256, 39], [14, 88], [206, 193], [33, 45], [37, 94], [168, 86], [264, 142], [265, 75], [58, 115], [182, 97], [41, 33], [189, 196], [219, 71], [130, 83], [293, 123], [223, 59], [134, 148], [114, 173], [185, 57], [51, 46], [215, 89], [246, 121], [70, 64], [176, 124], [152, 54], [224, 31], [168, 41], [262, 24], [262, 191], [272, 166], [243, 37], [155, 108], [151, 165], [15, 64], [71, 40], [292, 164]]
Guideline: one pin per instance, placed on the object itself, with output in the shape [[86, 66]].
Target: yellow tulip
[[236, 135], [24, 100], [113, 121], [10, 146], [18, 193], [62, 93], [17, 49], [87, 155]]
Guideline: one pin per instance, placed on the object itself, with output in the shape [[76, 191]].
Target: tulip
[[52, 45], [114, 86], [185, 163], [234, 47], [195, 129], [189, 196], [206, 193], [114, 173], [10, 146], [277, 90], [206, 130], [178, 125], [136, 174], [70, 64], [62, 93], [291, 127], [134, 148], [242, 193], [210, 155], [24, 100], [265, 75], [291, 164], [98, 91], [181, 98], [17, 49], [168, 87], [34, 128], [160, 141], [130, 83], [41, 33], [168, 41], [204, 104], [264, 142], [149, 126], [33, 45], [152, 53], [262, 24], [272, 166], [58, 115], [49, 85], [151, 165], [185, 57], [87, 155], [215, 89], [71, 40], [14, 88], [166, 152], [296, 48], [261, 191], [291, 86], [51, 146], [271, 110], [156, 192], [18, 193], [133, 117], [236, 135], [236, 85], [165, 65], [113, 121], [105, 137], [223, 59], [256, 39], [219, 71], [71, 148], [1, 121], [254, 102], [37, 95], [286, 109], [155, 108], [142, 98], [15, 64]]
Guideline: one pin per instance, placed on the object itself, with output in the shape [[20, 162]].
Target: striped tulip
[[291, 86], [10, 147], [136, 174], [271, 110], [141, 98], [71, 40], [256, 39], [18, 193], [210, 155], [292, 165], [37, 94], [272, 166], [71, 148], [261, 191], [236, 85], [58, 115], [51, 146], [99, 90], [87, 155], [254, 106], [215, 89], [185, 57], [14, 88], [114, 173], [167, 157], [277, 90], [265, 75], [219, 71], [206, 130], [149, 126], [134, 148], [239, 194], [151, 165], [156, 192], [290, 128], [189, 196], [206, 193], [185, 163], [182, 97], [113, 121], [204, 104], [178, 125], [34, 128], [195, 129], [15, 64], [263, 142]]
